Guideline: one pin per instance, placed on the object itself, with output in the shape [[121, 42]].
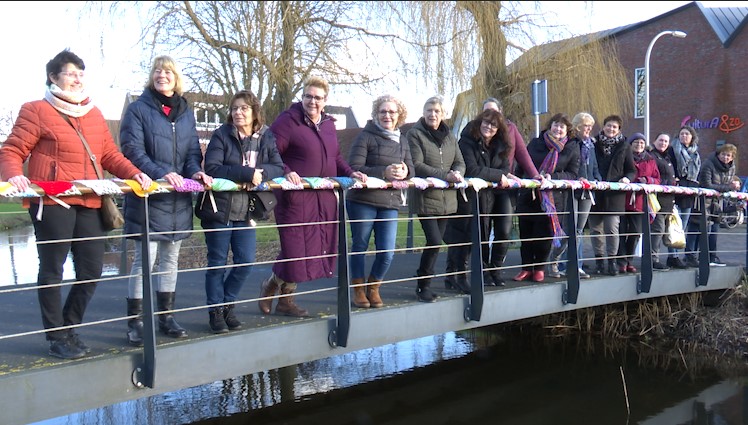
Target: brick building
[[697, 80]]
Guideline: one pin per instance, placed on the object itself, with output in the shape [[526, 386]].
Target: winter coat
[[687, 163], [56, 153], [667, 177], [488, 164], [371, 153], [716, 175], [588, 169], [516, 149], [567, 168], [311, 150], [432, 158], [224, 158], [620, 164], [158, 147], [646, 173]]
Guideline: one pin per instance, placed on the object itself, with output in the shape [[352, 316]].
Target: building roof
[[726, 22]]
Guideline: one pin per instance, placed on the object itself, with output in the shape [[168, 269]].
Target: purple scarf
[[546, 197]]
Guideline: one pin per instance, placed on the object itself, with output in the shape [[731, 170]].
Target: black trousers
[[630, 231], [56, 235], [535, 253], [433, 229]]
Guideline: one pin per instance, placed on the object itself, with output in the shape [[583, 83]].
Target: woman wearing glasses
[[378, 151], [308, 145], [485, 150], [241, 150], [45, 135], [158, 135]]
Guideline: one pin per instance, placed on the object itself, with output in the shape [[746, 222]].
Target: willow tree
[[464, 46], [456, 47]]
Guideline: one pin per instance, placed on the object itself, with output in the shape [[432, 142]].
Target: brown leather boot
[[286, 305], [359, 294], [269, 289], [372, 293]]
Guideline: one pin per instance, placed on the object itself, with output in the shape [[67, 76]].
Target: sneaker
[[676, 263], [553, 272], [659, 266], [584, 275], [716, 262], [76, 340], [630, 269], [65, 349], [426, 295], [691, 262]]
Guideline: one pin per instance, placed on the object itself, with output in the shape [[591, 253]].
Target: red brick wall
[[695, 76]]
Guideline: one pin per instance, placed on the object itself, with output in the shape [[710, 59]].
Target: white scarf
[[75, 104]]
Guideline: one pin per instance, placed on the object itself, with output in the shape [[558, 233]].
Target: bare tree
[[267, 47], [456, 47]]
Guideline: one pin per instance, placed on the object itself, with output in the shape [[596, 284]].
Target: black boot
[[424, 292], [218, 320], [135, 326], [166, 322], [612, 268], [231, 321], [600, 266]]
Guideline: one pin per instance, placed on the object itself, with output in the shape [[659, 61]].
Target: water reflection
[[19, 261], [477, 377]]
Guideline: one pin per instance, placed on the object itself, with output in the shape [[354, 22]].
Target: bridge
[[34, 386]]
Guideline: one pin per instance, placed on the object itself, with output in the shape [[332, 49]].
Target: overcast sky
[[36, 31]]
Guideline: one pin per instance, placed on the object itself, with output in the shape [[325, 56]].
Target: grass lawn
[[13, 215]]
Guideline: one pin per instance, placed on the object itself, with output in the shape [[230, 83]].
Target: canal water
[[486, 376], [19, 262]]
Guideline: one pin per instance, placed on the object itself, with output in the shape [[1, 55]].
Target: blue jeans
[[366, 219], [242, 241], [692, 238]]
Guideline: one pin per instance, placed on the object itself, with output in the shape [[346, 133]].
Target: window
[[641, 92]]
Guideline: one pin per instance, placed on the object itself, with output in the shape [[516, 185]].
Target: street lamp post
[[679, 34]]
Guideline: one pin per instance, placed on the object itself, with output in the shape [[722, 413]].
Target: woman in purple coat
[[308, 144]]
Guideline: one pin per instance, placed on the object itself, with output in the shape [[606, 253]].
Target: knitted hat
[[636, 136]]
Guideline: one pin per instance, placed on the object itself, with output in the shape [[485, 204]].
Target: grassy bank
[[13, 215]]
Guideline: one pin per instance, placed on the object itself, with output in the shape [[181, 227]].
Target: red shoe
[[523, 275], [538, 276], [630, 269]]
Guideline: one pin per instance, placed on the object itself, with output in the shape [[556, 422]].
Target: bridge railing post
[[145, 374], [339, 334], [571, 294], [702, 275], [644, 283], [475, 309]]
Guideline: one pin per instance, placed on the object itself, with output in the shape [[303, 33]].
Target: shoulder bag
[[111, 216]]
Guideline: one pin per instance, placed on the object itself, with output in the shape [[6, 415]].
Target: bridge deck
[[34, 386]]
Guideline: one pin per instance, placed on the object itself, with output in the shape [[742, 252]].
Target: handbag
[[675, 236], [261, 204], [111, 216]]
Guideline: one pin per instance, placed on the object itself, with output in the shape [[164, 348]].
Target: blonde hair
[[319, 82], [167, 64], [402, 112]]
